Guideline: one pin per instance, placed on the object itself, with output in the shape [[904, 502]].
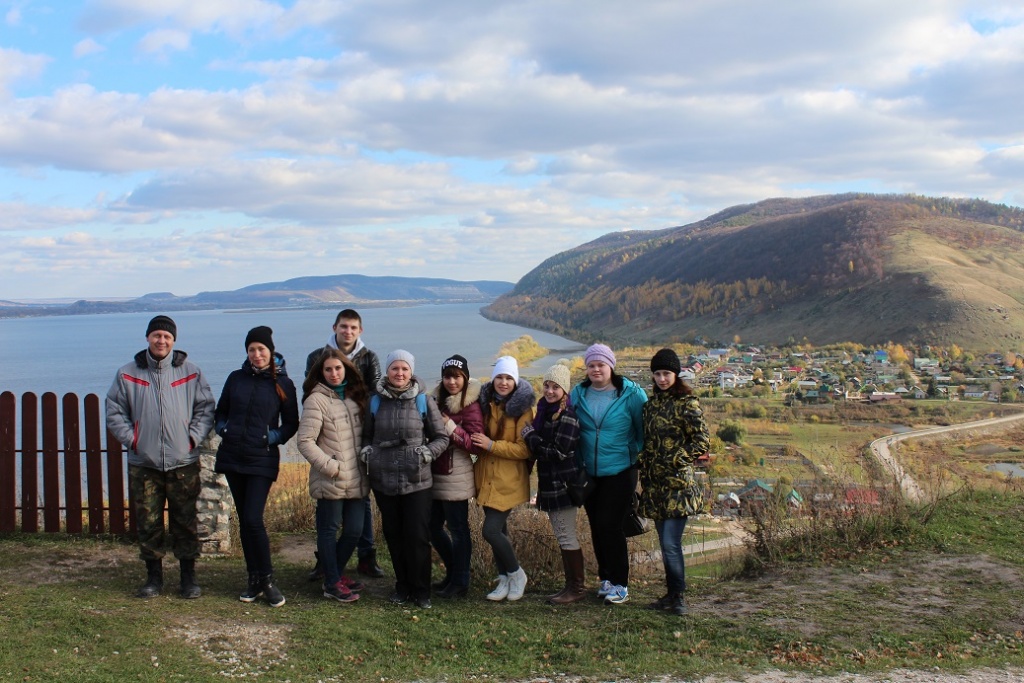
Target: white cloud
[[409, 122], [86, 47], [163, 40], [16, 65]]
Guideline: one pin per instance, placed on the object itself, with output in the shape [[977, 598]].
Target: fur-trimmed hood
[[521, 399], [454, 404]]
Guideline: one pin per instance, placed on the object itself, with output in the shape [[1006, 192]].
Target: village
[[831, 375]]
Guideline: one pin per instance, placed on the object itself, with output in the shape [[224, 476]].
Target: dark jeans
[[405, 520], [250, 493], [670, 536], [454, 545], [495, 532], [606, 509], [365, 546], [178, 489], [334, 551]]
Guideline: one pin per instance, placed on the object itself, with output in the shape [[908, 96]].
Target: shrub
[[731, 432]]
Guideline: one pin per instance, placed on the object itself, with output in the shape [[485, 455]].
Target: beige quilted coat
[[330, 433]]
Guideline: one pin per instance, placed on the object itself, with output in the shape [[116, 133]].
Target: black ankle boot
[[189, 588], [154, 580], [271, 592], [317, 572], [253, 590], [368, 566]]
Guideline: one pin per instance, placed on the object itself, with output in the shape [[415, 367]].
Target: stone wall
[[215, 503]]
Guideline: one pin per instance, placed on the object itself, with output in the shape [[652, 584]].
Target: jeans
[[250, 493], [670, 535], [334, 551], [495, 532], [454, 545], [606, 509], [365, 545], [406, 522]]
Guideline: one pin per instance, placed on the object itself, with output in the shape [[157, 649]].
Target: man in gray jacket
[[161, 408]]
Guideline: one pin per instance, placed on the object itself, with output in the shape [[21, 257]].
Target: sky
[[182, 146]]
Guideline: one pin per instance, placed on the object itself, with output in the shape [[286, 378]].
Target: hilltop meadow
[[900, 591]]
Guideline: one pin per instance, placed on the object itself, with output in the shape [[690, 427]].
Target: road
[[910, 488]]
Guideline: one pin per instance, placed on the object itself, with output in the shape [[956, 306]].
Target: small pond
[[1012, 469]]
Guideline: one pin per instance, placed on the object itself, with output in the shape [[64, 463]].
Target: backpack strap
[[421, 404]]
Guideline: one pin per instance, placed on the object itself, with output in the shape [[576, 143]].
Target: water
[[1012, 469], [80, 354]]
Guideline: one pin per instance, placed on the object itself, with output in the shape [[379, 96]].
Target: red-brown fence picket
[[69, 499]]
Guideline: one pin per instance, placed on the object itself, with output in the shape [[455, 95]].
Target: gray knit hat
[[400, 354]]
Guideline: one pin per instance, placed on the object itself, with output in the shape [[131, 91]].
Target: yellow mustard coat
[[502, 477]]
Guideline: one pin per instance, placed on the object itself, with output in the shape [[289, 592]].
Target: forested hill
[[852, 267]]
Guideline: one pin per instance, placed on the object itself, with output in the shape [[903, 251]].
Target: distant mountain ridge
[[851, 267], [301, 292]]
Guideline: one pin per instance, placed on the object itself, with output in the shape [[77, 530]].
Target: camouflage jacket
[[675, 435]]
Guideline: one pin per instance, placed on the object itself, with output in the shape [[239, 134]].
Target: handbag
[[579, 487], [634, 524]]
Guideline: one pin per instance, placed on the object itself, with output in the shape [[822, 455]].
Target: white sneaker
[[605, 588], [516, 584], [500, 592]]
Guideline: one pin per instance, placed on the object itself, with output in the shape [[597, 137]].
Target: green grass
[[921, 593]]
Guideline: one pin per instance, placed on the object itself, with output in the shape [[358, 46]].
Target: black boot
[[317, 572], [271, 592], [189, 588], [253, 590], [677, 605], [368, 566], [154, 580]]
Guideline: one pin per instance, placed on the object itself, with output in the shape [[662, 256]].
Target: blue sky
[[174, 145]]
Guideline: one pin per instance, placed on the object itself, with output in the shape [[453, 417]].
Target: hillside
[[862, 268], [302, 292]]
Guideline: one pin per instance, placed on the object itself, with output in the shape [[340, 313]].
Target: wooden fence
[[56, 493]]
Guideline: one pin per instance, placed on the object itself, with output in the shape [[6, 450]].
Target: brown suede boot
[[575, 579]]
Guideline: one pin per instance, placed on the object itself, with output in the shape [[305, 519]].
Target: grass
[[908, 592]]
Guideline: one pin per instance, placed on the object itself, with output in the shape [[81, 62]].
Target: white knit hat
[[506, 365]]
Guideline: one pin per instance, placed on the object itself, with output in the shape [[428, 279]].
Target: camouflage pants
[[178, 489]]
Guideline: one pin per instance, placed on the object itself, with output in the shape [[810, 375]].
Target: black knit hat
[[162, 322], [666, 359], [262, 335], [457, 362]]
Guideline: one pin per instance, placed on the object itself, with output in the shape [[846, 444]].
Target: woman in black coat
[[256, 413]]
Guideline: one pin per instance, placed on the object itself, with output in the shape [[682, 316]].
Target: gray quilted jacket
[[160, 410], [395, 432]]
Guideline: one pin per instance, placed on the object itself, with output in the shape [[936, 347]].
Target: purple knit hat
[[600, 352]]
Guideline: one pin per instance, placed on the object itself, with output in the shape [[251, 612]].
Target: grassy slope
[[944, 594]]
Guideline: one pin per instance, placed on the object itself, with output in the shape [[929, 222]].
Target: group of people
[[424, 452]]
